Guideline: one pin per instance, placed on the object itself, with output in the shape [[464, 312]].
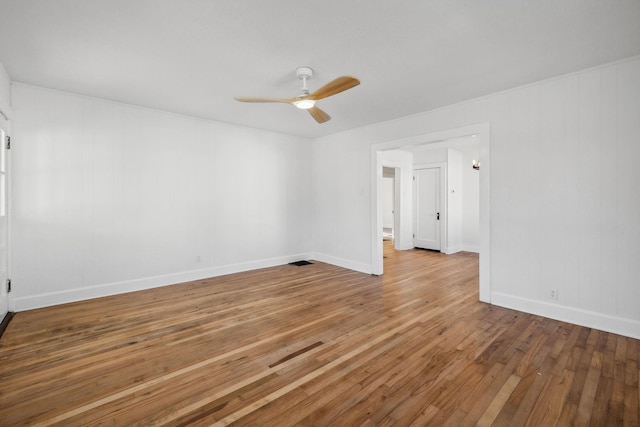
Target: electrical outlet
[[198, 259], [553, 294]]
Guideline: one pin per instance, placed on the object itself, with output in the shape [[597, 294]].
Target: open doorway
[[388, 194], [382, 152], [446, 195]]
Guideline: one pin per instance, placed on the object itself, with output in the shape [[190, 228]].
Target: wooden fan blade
[[248, 99], [319, 115], [335, 86]]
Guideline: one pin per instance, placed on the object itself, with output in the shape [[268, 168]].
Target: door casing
[[4, 220]]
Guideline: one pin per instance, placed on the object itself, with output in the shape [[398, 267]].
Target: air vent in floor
[[300, 263]]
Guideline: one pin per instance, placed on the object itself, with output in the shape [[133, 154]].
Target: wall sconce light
[[476, 165]]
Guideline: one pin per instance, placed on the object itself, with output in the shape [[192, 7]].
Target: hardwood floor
[[314, 345]]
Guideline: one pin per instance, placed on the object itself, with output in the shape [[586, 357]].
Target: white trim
[[107, 289], [475, 249], [4, 125], [9, 211], [3, 71], [5, 104], [589, 319], [452, 249], [344, 263]]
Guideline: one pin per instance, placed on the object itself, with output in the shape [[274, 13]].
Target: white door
[[4, 228], [426, 214]]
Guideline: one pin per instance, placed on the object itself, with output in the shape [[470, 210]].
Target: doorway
[[388, 202], [482, 132]]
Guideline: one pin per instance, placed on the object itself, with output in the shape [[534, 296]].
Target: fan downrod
[[304, 73]]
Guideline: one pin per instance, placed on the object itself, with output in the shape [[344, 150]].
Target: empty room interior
[[449, 235]]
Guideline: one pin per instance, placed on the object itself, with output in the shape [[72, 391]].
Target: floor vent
[[300, 263]]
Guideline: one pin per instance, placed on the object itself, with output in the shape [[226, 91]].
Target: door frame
[[402, 235], [482, 130], [5, 124]]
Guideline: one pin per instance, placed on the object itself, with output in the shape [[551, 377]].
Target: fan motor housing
[[304, 72]]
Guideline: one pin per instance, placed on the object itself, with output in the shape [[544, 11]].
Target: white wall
[[110, 198], [347, 217], [564, 197], [455, 192], [470, 201], [426, 155]]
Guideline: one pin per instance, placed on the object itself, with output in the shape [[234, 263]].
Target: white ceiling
[[192, 56]]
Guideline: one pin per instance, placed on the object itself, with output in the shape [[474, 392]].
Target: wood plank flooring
[[314, 345]]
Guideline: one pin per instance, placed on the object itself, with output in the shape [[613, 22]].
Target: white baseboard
[[590, 319], [344, 263], [461, 248], [79, 294], [402, 245], [452, 250]]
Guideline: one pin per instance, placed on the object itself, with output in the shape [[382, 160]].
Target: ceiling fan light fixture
[[307, 101], [305, 104]]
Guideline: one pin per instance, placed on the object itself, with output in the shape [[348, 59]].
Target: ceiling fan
[[306, 100]]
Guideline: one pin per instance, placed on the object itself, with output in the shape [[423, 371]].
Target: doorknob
[[438, 216]]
